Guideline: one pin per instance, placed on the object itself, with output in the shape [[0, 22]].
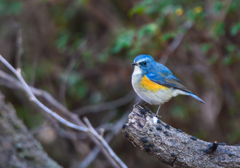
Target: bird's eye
[[144, 63]]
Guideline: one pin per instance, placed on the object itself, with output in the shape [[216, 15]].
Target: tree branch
[[88, 129], [114, 130], [17, 147], [176, 42], [174, 147], [11, 82]]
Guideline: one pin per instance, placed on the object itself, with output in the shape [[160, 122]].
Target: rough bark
[[18, 148], [174, 147]]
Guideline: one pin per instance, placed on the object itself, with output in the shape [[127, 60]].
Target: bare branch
[[174, 147], [11, 82], [19, 47], [104, 143], [37, 102], [63, 85], [89, 129], [68, 70], [114, 130], [176, 42]]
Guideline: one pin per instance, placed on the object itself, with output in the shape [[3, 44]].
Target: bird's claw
[[141, 105], [137, 104]]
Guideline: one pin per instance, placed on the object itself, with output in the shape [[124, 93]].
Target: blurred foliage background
[[80, 51]]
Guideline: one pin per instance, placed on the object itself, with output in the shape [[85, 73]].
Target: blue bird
[[155, 83]]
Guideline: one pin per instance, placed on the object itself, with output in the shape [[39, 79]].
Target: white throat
[[137, 70]]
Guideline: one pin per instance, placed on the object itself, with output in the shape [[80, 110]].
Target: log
[[174, 147], [18, 148]]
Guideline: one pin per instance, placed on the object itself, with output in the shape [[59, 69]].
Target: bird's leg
[[158, 109]]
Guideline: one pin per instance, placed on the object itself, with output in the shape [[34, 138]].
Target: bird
[[155, 84]]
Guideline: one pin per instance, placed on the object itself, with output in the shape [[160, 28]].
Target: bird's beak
[[134, 64]]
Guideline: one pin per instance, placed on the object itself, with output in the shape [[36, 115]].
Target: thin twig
[[37, 102], [106, 106], [176, 42], [114, 130], [19, 47], [63, 85], [104, 143], [68, 70], [9, 81], [90, 129]]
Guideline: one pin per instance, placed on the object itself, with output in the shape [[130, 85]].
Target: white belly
[[154, 98]]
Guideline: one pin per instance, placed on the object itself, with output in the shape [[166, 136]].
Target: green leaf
[[168, 35], [235, 29], [82, 90], [227, 60], [14, 7], [191, 15], [230, 48], [206, 47], [62, 41], [10, 7], [86, 55], [234, 6], [83, 2], [137, 10], [213, 59], [79, 90], [77, 44], [124, 41], [218, 6], [150, 29], [103, 57], [73, 78], [219, 29]]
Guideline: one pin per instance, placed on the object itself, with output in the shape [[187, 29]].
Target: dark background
[[81, 51]]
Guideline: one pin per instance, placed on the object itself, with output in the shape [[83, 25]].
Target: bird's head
[[143, 63]]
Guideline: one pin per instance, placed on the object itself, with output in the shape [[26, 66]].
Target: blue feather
[[197, 98]]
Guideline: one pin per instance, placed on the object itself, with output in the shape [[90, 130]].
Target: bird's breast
[[149, 91]]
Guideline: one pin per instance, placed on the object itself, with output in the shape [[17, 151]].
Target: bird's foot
[[137, 104], [142, 105]]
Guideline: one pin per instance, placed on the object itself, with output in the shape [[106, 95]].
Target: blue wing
[[169, 80]]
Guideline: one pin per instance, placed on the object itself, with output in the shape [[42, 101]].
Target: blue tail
[[197, 98]]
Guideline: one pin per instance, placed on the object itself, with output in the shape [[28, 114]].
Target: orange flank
[[151, 86]]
